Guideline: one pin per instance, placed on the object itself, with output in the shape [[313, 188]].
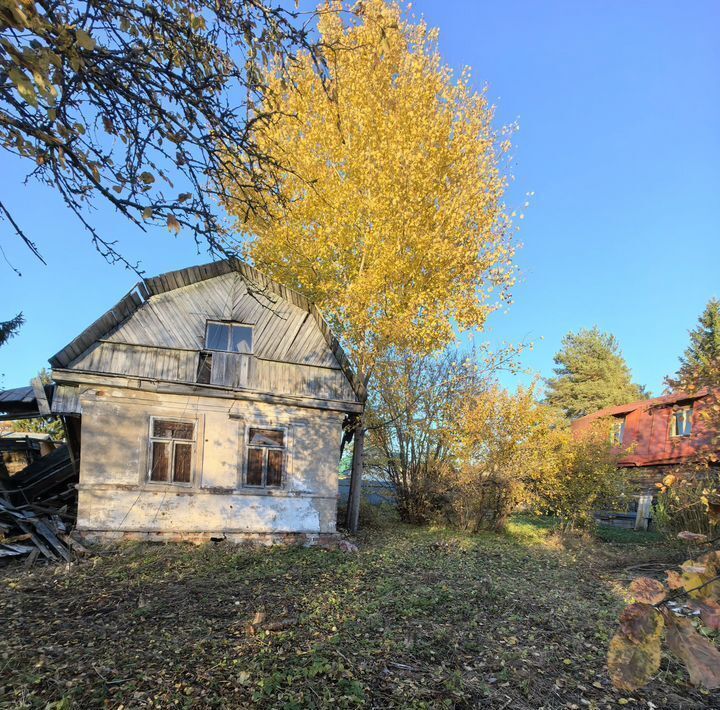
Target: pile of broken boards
[[37, 511]]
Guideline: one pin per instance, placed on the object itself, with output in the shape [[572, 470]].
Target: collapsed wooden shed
[[209, 402]]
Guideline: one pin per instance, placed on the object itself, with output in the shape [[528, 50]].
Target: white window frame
[[229, 325], [688, 418], [285, 459], [193, 451]]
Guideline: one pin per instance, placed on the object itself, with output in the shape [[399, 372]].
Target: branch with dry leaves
[[635, 651], [137, 104]]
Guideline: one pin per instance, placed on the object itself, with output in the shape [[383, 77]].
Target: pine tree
[[700, 365], [9, 328], [590, 374]]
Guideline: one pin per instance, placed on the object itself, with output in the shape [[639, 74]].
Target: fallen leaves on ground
[[417, 618]]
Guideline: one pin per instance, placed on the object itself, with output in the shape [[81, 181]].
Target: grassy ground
[[418, 618]]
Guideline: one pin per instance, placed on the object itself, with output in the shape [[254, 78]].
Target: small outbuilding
[[208, 403]]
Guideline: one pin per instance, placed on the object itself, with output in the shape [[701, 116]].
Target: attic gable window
[[681, 422], [171, 451], [228, 337], [265, 458]]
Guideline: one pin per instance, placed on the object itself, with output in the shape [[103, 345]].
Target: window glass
[[255, 467], [241, 339], [173, 430], [265, 457], [686, 421], [160, 463], [183, 460], [274, 467], [204, 368], [681, 422], [618, 431], [217, 336], [266, 437], [229, 337]]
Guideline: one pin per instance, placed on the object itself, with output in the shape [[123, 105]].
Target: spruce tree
[[590, 374], [700, 365], [9, 328]]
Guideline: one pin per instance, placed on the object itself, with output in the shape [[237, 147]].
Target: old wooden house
[[209, 402]]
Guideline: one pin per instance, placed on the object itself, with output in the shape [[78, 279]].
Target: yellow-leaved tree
[[390, 213]]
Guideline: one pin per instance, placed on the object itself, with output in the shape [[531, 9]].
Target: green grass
[[622, 536], [419, 618]]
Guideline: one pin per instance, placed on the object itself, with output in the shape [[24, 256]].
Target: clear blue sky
[[619, 110]]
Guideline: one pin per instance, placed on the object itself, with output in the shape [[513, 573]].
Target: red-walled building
[[652, 435], [662, 431]]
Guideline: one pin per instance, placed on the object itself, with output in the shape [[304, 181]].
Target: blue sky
[[619, 109]]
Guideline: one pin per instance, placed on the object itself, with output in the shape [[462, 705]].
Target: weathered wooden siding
[[230, 370], [169, 311], [176, 319], [163, 338]]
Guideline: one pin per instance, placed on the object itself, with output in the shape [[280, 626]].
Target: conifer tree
[[9, 328], [700, 364], [590, 374]]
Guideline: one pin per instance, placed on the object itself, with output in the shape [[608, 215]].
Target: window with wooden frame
[[617, 431], [171, 451], [681, 421], [265, 460], [228, 337]]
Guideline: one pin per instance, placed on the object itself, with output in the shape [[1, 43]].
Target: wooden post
[[352, 518], [643, 512]]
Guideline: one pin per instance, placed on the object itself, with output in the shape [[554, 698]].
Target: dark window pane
[[217, 336], [266, 437], [241, 339], [254, 467], [173, 430], [160, 461], [204, 368], [183, 459], [274, 467]]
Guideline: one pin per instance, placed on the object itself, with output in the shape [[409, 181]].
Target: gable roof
[[144, 290]]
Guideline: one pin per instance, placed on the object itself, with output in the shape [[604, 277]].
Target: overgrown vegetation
[[685, 499], [418, 618], [460, 450]]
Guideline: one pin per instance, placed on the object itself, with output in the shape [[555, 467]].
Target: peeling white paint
[[116, 496]]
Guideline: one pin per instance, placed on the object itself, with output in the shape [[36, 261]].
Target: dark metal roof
[[20, 400]]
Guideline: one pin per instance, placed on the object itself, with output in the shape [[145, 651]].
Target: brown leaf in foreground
[[632, 665], [709, 612], [640, 621], [674, 580], [647, 590], [700, 657]]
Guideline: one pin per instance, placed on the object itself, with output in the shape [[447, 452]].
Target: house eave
[[80, 377]]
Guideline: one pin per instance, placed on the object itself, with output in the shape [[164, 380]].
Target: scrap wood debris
[[25, 532], [37, 510]]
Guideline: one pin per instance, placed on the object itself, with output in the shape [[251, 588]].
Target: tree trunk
[[352, 517]]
